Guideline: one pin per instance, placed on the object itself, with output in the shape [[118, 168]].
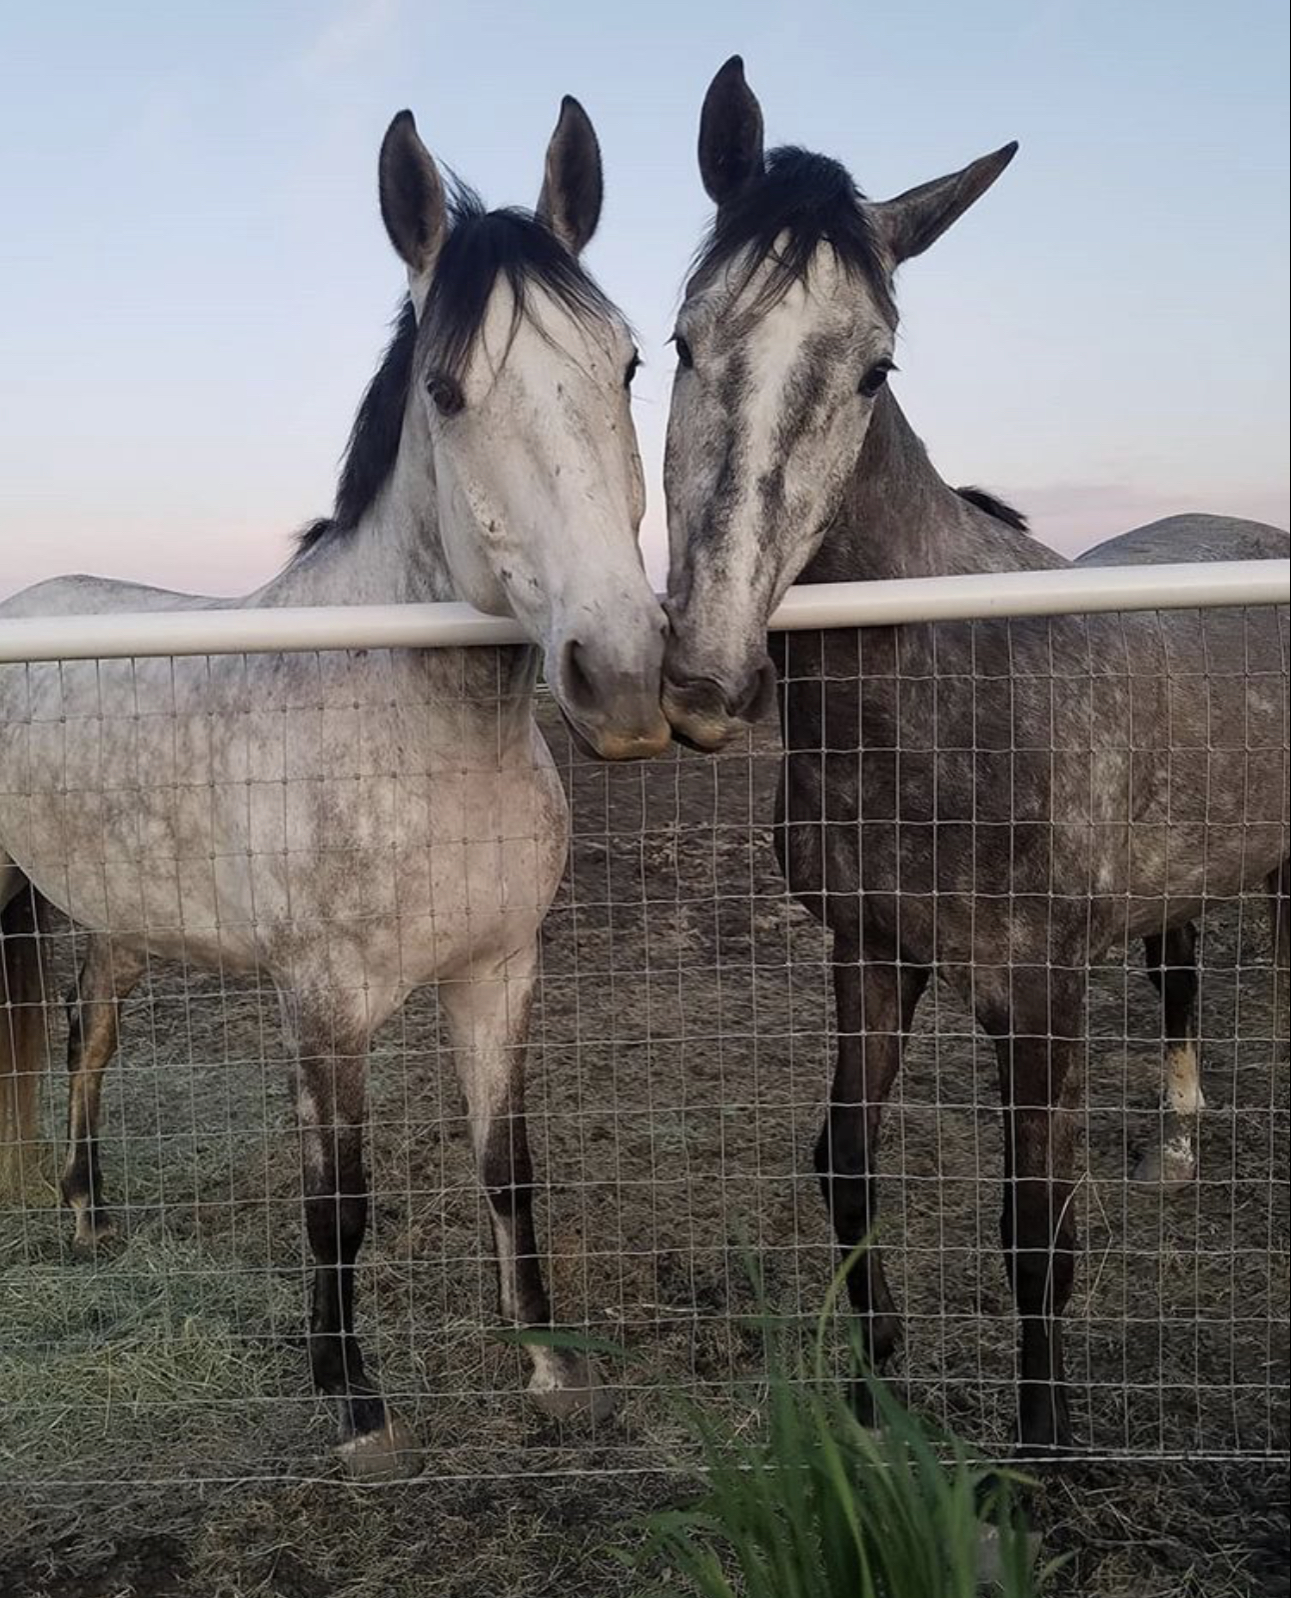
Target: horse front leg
[[1039, 1065], [488, 1021], [331, 1087], [1171, 960], [876, 1000]]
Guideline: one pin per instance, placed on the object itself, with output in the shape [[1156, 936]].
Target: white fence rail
[[977, 596]]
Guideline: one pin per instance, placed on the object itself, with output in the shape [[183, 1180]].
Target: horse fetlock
[[1044, 1419], [93, 1226], [1170, 1163], [881, 1333]]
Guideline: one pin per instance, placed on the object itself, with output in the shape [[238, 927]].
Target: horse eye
[[634, 366], [875, 378], [684, 357], [446, 396]]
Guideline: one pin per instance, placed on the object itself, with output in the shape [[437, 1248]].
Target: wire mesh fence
[[682, 1039]]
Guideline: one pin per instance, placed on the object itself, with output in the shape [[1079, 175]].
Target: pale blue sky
[[194, 281]]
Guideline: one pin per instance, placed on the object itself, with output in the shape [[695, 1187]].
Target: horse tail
[[24, 1042]]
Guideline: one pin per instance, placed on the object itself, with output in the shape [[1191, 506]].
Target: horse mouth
[[698, 728], [616, 746]]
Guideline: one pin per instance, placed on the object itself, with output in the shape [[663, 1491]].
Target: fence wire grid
[[681, 1047]]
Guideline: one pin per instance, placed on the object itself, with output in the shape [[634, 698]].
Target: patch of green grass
[[815, 1505]]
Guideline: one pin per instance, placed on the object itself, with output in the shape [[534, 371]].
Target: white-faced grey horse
[[997, 802], [353, 825]]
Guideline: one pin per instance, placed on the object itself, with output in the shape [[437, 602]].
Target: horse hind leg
[[1171, 959], [1279, 887], [106, 978]]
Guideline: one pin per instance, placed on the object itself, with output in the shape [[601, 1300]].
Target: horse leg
[[1039, 1067], [876, 1002], [331, 1085], [1279, 887], [1172, 965], [106, 978], [488, 1021]]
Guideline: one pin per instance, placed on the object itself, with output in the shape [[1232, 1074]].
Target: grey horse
[[351, 826], [997, 802]]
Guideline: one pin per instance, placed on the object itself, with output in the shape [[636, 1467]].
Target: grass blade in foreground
[[818, 1506]]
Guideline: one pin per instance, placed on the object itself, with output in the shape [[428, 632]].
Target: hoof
[[1168, 1165], [580, 1395], [391, 1453], [95, 1232], [990, 1563]]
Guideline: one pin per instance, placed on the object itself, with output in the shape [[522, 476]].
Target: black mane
[[998, 508], [810, 200], [481, 246]]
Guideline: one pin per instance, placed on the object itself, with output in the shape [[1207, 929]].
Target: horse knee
[[843, 1169]]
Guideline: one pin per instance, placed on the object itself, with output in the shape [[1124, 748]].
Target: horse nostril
[[576, 681], [756, 699]]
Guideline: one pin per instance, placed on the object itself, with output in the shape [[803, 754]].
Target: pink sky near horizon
[[231, 559]]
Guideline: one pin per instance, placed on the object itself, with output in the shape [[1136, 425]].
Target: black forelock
[[480, 247], [799, 202]]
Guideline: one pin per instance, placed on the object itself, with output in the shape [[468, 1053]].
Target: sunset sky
[[195, 282]]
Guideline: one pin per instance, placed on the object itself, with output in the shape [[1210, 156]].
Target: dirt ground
[[157, 1435]]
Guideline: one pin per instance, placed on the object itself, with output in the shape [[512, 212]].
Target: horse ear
[[572, 186], [917, 218], [730, 135], [412, 196]]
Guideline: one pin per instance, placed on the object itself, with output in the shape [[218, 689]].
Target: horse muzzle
[[613, 713], [707, 715]]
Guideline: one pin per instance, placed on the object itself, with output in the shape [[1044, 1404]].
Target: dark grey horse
[[997, 802]]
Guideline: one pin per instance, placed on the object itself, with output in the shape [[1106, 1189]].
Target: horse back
[[1191, 537]]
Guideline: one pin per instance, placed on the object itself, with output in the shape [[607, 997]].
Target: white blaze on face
[[772, 356]]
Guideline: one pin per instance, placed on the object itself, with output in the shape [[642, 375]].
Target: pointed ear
[[412, 196], [572, 187], [730, 135], [917, 218]]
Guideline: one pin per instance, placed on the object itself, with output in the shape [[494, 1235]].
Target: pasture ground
[[158, 1436]]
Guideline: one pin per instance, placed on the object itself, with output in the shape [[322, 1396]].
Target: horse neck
[[900, 518], [395, 555]]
